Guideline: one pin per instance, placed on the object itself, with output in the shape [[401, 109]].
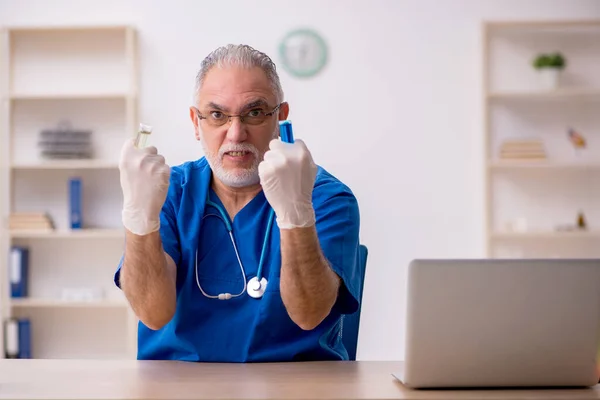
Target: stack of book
[[30, 221], [65, 143], [522, 150]]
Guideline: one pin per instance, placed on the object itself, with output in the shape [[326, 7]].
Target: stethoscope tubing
[[259, 282]]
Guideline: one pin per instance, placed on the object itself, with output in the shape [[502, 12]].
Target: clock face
[[303, 53]]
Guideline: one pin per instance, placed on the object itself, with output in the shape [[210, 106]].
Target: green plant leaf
[[551, 60]]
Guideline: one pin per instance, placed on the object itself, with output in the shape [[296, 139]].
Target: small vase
[[549, 78]]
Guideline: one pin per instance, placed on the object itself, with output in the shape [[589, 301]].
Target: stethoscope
[[257, 285]]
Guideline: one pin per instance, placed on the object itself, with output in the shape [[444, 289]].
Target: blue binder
[[19, 271], [24, 338], [75, 208]]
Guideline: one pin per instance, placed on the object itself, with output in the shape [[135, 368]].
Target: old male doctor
[[248, 254]]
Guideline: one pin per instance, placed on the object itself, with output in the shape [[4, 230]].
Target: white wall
[[404, 77]]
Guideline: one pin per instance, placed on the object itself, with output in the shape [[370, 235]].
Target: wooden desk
[[86, 379]]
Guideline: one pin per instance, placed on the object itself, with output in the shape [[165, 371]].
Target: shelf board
[[547, 235], [68, 96], [65, 28], [544, 26], [66, 164], [567, 94], [68, 234], [550, 23], [506, 165], [57, 303]]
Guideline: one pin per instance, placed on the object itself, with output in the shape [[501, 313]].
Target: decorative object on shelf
[[577, 140], [65, 143], [303, 53], [550, 67], [521, 149], [82, 294], [517, 225], [30, 221], [581, 223]]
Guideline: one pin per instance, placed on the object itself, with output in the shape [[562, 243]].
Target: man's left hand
[[287, 175]]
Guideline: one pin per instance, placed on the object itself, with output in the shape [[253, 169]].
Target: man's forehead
[[236, 87], [236, 78]]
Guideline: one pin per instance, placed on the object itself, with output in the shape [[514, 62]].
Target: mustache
[[238, 147]]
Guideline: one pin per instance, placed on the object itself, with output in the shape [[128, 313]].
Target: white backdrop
[[396, 114]]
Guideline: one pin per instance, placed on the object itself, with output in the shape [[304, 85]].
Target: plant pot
[[549, 78]]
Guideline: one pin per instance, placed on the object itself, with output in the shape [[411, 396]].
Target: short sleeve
[[169, 232], [338, 228], [168, 223]]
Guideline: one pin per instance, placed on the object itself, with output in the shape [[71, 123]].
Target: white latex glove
[[287, 175], [145, 181]]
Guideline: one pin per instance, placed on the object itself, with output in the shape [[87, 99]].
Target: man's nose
[[236, 131]]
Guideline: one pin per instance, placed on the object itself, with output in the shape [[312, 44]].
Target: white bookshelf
[[532, 205], [88, 76]]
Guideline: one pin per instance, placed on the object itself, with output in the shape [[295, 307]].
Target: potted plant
[[549, 67]]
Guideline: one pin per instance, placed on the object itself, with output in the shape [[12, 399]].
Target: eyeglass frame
[[240, 116]]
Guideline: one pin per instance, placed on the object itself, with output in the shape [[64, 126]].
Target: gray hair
[[240, 55]]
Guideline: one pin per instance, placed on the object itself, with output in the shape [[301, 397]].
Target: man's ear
[[284, 111], [194, 118]]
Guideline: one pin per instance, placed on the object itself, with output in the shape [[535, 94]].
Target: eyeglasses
[[255, 116]]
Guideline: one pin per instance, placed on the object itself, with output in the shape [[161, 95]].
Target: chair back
[[351, 322]]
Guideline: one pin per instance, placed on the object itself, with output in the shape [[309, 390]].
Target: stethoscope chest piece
[[256, 288]]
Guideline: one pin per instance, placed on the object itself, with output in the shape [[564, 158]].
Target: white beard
[[239, 177]]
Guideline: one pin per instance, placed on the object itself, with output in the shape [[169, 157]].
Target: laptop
[[502, 323]]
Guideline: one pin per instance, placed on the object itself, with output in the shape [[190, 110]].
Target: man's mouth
[[237, 153]]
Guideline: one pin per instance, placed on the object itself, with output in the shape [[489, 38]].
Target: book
[[30, 221], [522, 150]]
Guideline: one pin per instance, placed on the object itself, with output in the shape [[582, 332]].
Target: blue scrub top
[[245, 329]]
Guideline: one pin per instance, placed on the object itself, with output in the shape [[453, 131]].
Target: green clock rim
[[321, 62]]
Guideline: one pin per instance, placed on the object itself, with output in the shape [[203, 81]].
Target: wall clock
[[303, 53]]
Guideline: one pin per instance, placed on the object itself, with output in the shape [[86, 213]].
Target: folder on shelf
[[17, 338], [11, 338], [75, 203], [24, 338], [19, 271]]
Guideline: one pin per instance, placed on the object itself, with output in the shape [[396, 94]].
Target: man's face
[[234, 148]]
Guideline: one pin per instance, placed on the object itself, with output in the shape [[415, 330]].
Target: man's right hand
[[144, 179]]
